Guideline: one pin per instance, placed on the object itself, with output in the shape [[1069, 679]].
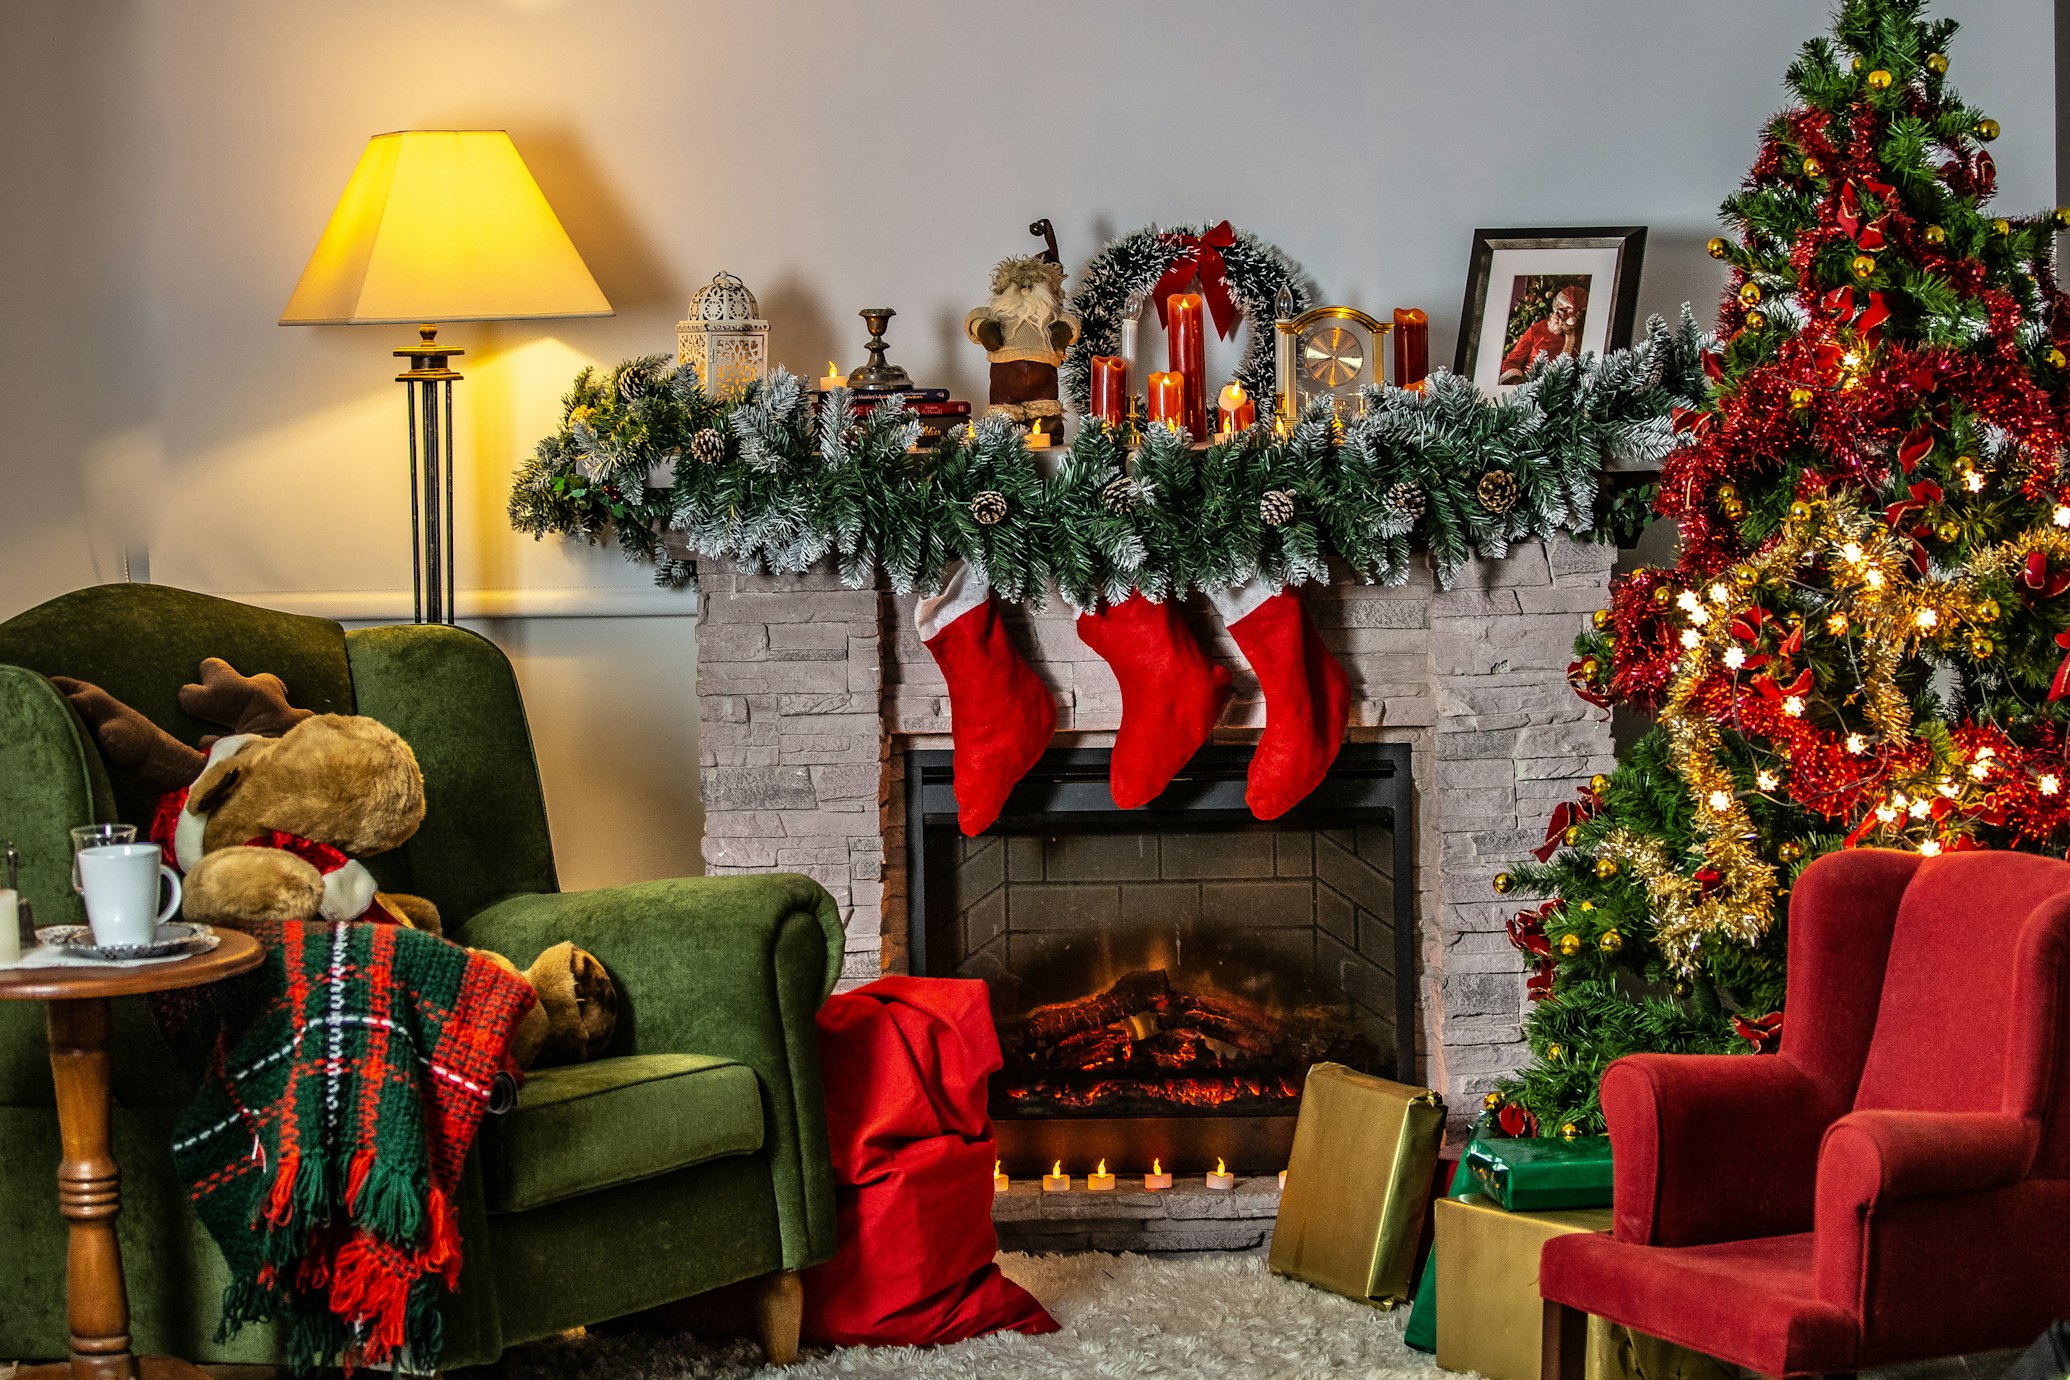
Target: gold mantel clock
[[1329, 352]]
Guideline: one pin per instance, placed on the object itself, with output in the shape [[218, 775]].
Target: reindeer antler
[[243, 704], [130, 741]]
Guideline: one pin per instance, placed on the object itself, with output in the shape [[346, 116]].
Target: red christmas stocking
[[1171, 694], [1307, 695], [999, 712]]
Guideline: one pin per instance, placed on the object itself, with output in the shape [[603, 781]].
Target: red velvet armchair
[[1894, 1184]]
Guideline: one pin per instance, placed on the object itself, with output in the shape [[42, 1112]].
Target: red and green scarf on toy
[[346, 1077]]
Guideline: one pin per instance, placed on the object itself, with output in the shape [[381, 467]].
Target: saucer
[[172, 940]]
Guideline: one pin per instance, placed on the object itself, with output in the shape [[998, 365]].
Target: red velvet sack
[[905, 1063]]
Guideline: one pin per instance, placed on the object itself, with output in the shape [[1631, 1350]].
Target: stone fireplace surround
[[810, 693]]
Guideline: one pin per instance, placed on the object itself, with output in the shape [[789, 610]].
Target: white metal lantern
[[724, 337]]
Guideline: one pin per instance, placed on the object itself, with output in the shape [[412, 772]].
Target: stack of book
[[938, 413]]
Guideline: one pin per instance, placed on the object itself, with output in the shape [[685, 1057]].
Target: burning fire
[[1220, 1168], [1101, 1170], [1056, 1171], [1156, 1165]]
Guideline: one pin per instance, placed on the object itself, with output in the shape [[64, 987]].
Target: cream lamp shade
[[442, 226]]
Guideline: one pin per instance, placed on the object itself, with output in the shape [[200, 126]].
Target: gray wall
[[167, 165]]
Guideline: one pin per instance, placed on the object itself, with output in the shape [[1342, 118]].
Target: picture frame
[[1558, 290]]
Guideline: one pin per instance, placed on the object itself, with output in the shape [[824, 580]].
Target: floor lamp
[[439, 226]]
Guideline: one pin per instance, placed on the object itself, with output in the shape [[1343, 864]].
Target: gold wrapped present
[[1491, 1316], [1358, 1185]]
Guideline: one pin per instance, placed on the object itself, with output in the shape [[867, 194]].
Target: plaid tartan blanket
[[345, 1078]]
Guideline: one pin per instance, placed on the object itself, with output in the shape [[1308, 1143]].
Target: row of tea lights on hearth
[[1100, 1181]]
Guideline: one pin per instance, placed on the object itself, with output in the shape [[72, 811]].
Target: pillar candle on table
[[1221, 1181], [1000, 1183], [1167, 399], [1236, 409], [1186, 340], [10, 932], [1110, 389], [1100, 1181], [1411, 347], [1056, 1181], [834, 378], [1157, 1179]]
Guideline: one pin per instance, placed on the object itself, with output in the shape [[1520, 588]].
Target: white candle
[[10, 928], [1056, 1181], [1157, 1179], [1100, 1181], [1128, 341], [834, 378], [1221, 1181], [1000, 1183]]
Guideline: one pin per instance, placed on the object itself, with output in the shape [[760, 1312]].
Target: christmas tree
[[1862, 642]]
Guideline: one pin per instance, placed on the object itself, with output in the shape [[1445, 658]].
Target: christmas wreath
[[1241, 276]]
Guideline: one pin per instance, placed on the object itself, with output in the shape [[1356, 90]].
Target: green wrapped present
[[1541, 1175]]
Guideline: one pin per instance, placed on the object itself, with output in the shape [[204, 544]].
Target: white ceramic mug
[[120, 882]]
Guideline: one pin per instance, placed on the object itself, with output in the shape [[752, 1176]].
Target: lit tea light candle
[[1038, 439], [1100, 1181], [834, 379], [1157, 1179], [1221, 1181], [1000, 1183], [10, 927], [1237, 408], [1056, 1181]]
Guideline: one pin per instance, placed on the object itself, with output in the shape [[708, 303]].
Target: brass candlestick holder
[[877, 373]]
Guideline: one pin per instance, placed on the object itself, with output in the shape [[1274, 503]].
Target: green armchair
[[693, 1156]]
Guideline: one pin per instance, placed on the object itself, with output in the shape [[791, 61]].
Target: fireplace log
[[1131, 994]]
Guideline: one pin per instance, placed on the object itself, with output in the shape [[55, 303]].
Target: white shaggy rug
[[1125, 1317]]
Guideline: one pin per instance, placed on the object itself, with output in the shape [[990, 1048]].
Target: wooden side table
[[89, 1188]]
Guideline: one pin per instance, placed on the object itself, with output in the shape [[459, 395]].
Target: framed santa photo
[[1534, 294]]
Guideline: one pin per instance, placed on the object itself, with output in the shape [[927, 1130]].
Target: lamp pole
[[431, 421]]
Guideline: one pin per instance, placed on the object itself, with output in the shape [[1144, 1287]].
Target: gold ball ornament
[[1502, 883], [1554, 1050], [1789, 850], [1800, 511], [2055, 358], [1600, 619], [1948, 531], [1571, 835], [1570, 944], [1981, 646], [1717, 248], [1864, 265], [1599, 783], [1492, 1101], [1879, 80], [1749, 294], [1606, 868], [1812, 167], [1937, 63], [1728, 489], [2062, 217], [2001, 226], [1733, 509], [1858, 63], [1610, 941], [1681, 987], [1589, 667], [1757, 320], [1934, 234], [1800, 399], [1987, 611], [1987, 129], [1663, 596], [1569, 1131], [1609, 642]]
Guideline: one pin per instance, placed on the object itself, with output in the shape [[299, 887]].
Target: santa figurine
[[1558, 333], [1025, 331]]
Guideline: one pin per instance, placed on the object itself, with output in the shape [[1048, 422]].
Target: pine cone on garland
[[989, 508], [1498, 491], [1276, 507], [1120, 496], [1408, 500], [708, 446], [636, 378]]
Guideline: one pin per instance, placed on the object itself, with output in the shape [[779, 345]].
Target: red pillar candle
[[1411, 347], [1110, 389], [1168, 399], [1185, 334], [1237, 409]]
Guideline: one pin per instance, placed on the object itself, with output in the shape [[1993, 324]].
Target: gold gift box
[[1491, 1316], [1358, 1185]]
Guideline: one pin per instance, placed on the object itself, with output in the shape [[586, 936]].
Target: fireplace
[[1163, 978]]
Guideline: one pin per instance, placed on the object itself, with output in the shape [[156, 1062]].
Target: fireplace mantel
[[810, 693]]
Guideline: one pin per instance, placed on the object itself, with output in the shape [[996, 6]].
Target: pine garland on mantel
[[780, 481]]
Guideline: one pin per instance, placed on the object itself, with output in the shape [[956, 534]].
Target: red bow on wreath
[[1764, 1033], [1200, 255]]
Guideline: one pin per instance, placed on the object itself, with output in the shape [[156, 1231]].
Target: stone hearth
[[810, 694]]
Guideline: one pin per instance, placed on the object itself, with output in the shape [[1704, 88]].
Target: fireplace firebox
[[1162, 978]]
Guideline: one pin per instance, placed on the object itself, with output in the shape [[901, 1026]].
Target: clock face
[[1330, 357]]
